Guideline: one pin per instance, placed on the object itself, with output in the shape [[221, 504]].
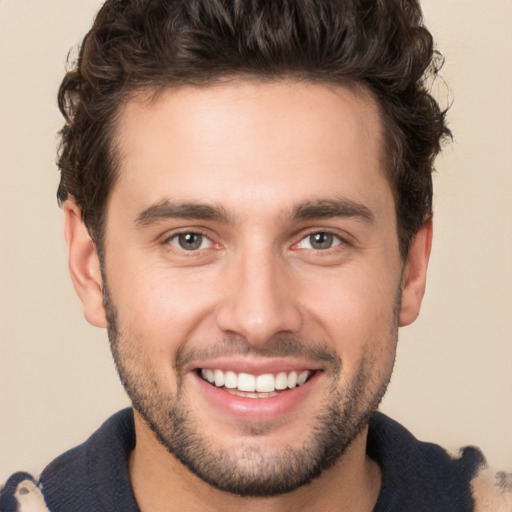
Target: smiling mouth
[[254, 386]]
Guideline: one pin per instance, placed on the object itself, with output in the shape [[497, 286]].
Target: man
[[247, 197]]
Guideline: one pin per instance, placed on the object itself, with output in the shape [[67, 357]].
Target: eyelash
[[341, 241], [196, 232]]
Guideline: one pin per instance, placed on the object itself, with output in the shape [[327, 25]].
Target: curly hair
[[137, 45]]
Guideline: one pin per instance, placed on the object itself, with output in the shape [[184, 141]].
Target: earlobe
[[415, 274], [84, 265]]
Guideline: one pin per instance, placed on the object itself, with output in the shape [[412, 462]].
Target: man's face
[[251, 240]]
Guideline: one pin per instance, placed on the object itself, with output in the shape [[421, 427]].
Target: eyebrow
[[316, 209], [332, 208], [171, 210]]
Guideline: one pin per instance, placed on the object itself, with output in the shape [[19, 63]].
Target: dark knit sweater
[[416, 476]]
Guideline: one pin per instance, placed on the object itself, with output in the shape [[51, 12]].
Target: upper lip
[[255, 365]]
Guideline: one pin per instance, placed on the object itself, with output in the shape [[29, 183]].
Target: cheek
[[356, 313], [162, 308]]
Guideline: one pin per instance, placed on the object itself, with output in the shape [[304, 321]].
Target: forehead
[[267, 142]]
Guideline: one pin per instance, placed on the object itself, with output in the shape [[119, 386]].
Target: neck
[[161, 483]]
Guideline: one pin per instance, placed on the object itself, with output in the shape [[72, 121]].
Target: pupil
[[321, 240], [190, 241]]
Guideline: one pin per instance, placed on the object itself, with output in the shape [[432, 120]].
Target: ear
[[415, 274], [84, 265]]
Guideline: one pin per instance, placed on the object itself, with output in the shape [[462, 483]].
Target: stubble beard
[[250, 470]]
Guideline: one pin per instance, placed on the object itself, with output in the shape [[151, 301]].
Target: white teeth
[[230, 380], [292, 379], [219, 378], [303, 377], [281, 380], [209, 375], [252, 386], [246, 382], [265, 383]]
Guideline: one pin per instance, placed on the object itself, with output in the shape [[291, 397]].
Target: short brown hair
[[139, 44]]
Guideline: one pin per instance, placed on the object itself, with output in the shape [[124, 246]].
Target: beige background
[[453, 382]]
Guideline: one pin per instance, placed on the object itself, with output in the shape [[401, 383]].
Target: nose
[[260, 300]]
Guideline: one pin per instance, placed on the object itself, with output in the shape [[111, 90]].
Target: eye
[[190, 241], [319, 241]]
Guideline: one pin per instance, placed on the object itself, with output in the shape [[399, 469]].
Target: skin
[[257, 152]]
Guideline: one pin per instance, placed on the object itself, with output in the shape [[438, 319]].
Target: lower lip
[[262, 409]]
